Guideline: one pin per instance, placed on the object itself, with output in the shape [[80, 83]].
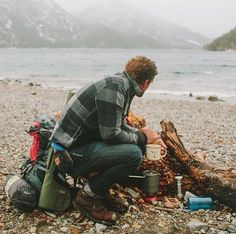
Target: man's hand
[[161, 143], [150, 134], [153, 137]]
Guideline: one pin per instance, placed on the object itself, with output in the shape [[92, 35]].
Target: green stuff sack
[[54, 195], [34, 174]]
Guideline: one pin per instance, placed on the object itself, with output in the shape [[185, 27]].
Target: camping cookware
[[150, 183]]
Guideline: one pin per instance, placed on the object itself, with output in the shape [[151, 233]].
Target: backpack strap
[[57, 148]]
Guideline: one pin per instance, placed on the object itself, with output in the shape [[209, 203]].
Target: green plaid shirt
[[97, 113]]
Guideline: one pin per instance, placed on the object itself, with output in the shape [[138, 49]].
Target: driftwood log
[[215, 182], [199, 177]]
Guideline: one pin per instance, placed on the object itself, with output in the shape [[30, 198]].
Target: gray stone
[[211, 221], [33, 230], [200, 98], [231, 228], [92, 231], [90, 222], [196, 225], [220, 218], [233, 222], [100, 227], [50, 214], [213, 98], [64, 229], [22, 217], [125, 226]]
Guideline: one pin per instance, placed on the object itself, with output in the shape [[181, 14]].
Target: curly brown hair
[[141, 68]]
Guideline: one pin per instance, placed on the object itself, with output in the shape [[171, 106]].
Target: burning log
[[215, 182]]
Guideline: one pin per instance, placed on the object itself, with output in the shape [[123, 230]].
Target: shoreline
[[150, 94]]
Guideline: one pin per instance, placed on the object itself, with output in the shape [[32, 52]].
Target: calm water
[[180, 71]]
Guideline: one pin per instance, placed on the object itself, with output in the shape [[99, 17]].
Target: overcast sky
[[211, 18]]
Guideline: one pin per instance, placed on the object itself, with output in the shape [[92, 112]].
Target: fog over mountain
[[210, 18], [138, 26], [34, 23]]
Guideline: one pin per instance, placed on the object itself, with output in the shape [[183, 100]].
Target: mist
[[210, 18]]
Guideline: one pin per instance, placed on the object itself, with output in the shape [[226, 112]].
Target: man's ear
[[144, 85]]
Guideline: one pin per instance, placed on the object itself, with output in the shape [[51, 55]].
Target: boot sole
[[86, 213]]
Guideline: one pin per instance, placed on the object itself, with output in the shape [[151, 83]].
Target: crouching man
[[94, 131]]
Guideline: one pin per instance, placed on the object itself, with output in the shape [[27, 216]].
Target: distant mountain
[[127, 27], [35, 23], [225, 42], [43, 23]]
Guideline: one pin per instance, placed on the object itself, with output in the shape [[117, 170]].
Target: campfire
[[198, 177]]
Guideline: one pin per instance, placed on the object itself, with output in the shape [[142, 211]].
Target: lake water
[[180, 71]]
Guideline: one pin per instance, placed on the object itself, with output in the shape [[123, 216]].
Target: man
[[94, 130]]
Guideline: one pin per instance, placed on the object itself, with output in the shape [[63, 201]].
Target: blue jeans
[[112, 162]]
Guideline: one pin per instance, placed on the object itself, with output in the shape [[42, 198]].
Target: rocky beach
[[206, 127]]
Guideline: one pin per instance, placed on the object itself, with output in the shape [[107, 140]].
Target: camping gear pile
[[40, 183]]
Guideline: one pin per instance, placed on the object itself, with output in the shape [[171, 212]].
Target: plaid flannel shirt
[[97, 113]]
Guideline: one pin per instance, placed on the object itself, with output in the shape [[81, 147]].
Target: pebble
[[50, 214], [91, 231], [125, 226], [77, 215], [220, 218], [213, 98], [211, 221], [22, 217], [100, 227], [231, 228], [196, 225], [64, 229], [33, 229], [233, 222], [90, 222]]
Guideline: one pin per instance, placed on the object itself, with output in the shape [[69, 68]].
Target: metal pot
[[150, 182]]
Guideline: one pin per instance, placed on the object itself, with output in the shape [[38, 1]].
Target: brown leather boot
[[114, 203], [93, 208]]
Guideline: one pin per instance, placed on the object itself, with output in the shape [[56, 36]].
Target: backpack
[[52, 189], [41, 130], [33, 170], [34, 174], [40, 184]]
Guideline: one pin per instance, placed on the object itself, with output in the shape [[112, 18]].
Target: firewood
[[215, 182], [199, 177]]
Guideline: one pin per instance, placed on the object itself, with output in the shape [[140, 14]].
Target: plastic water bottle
[[196, 203]]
